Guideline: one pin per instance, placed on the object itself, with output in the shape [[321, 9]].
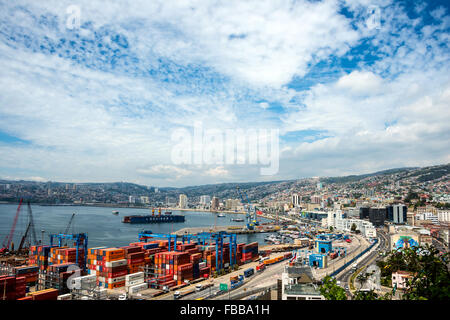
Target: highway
[[344, 277]]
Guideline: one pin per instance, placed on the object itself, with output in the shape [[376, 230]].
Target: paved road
[[383, 244], [266, 278]]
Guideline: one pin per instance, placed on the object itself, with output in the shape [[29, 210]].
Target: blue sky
[[350, 91]]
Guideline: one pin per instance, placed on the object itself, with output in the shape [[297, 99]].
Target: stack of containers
[[204, 270], [195, 260], [135, 282], [111, 268], [38, 255], [47, 294], [150, 249], [135, 258], [66, 255], [12, 287], [30, 273], [249, 252], [60, 271], [91, 261]]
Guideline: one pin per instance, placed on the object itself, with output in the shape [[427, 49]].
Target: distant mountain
[[354, 178], [104, 192], [424, 174]]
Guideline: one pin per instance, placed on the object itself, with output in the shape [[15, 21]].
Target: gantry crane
[[251, 211]]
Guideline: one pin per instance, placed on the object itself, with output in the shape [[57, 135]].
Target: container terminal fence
[[339, 270]]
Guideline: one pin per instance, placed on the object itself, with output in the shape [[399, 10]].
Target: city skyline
[[93, 92]]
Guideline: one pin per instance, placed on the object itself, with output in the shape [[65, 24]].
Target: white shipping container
[[130, 283], [102, 279], [134, 276], [115, 280], [138, 288], [116, 263]]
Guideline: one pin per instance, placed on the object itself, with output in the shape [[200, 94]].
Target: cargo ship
[[153, 219]]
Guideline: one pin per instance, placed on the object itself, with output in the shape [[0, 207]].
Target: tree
[[353, 227], [331, 228], [331, 291], [431, 276]]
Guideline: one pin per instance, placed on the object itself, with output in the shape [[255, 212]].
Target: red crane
[[8, 238]]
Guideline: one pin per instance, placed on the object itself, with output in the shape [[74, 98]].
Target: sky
[[94, 91]]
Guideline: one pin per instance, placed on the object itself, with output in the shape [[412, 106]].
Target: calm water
[[104, 228]]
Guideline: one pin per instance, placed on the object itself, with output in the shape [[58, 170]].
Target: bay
[[105, 229]]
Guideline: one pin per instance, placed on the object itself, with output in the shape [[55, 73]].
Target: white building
[[443, 216], [132, 199], [427, 216], [182, 203], [398, 217], [297, 284], [400, 279], [205, 199], [145, 200], [343, 224]]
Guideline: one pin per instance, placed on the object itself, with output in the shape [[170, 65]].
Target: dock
[[230, 229]]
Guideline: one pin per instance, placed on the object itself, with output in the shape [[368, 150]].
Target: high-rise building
[[377, 216], [215, 203], [132, 199], [205, 199], [295, 200], [182, 203], [399, 213], [364, 212], [315, 199]]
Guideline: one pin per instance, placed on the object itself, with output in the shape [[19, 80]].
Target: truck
[[249, 272], [260, 267], [181, 294], [203, 286]]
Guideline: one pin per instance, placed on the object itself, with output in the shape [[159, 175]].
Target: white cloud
[[218, 171]]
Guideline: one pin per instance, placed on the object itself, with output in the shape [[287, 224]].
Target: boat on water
[[115, 212], [168, 212], [153, 219], [221, 215], [237, 219]]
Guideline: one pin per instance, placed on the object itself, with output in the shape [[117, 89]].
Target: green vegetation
[[331, 291], [431, 276]]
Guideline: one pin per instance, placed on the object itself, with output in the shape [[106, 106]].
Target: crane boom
[[8, 239], [70, 222], [33, 231], [24, 237]]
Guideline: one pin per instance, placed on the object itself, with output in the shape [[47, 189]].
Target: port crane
[[68, 226], [70, 222], [30, 227], [80, 242], [8, 239], [251, 211]]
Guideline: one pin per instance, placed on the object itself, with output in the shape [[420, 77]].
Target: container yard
[[56, 272]]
